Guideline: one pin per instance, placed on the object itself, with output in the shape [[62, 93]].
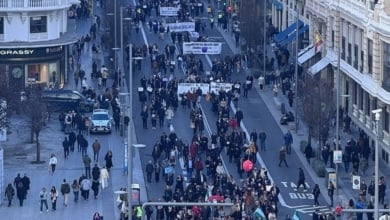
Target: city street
[[256, 116], [260, 113]]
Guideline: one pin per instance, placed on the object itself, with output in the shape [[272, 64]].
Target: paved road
[[256, 115]]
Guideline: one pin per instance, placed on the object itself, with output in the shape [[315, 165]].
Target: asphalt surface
[[256, 116], [260, 112]]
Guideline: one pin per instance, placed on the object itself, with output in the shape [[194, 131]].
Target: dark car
[[66, 100]]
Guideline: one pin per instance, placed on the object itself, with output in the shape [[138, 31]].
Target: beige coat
[[104, 175]]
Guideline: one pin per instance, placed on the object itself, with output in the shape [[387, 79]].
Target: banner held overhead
[[202, 48], [181, 26]]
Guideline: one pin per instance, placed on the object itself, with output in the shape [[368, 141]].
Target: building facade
[[34, 39], [356, 36]]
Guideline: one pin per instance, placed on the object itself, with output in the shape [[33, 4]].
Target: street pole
[[115, 36], [264, 37], [377, 114], [130, 133], [121, 50], [296, 68], [337, 105]]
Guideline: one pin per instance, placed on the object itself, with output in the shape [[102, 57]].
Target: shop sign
[[31, 52]]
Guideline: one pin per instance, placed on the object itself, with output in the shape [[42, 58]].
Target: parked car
[[101, 121], [66, 100]]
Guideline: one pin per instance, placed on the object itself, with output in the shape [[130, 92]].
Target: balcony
[[356, 9], [34, 5]]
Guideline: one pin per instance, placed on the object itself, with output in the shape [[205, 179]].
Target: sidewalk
[[345, 183], [19, 152]]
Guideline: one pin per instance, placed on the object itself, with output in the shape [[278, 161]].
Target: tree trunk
[[38, 160], [32, 135]]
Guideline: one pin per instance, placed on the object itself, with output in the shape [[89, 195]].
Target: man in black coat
[[66, 145], [26, 183]]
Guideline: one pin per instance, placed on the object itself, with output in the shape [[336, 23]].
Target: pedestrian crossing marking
[[309, 209]]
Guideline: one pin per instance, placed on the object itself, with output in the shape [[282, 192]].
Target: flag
[[317, 42], [259, 214], [296, 216]]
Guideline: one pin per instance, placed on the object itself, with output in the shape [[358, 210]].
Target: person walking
[[65, 190], [149, 171], [288, 141], [79, 138], [262, 137], [97, 216], [104, 175], [76, 190], [84, 146], [66, 146], [308, 152], [9, 193], [301, 180], [53, 198], [85, 187], [72, 140], [316, 193], [87, 164], [282, 156], [96, 172], [52, 163], [331, 192], [21, 192], [43, 198], [95, 187], [108, 159], [26, 183], [96, 148]]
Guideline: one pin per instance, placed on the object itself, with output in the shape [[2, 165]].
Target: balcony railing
[[357, 8], [18, 4]]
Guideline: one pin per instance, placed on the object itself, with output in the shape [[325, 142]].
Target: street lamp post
[[264, 37], [298, 2], [377, 114], [121, 40]]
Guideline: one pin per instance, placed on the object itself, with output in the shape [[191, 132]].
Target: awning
[[291, 36], [278, 5], [320, 65], [306, 54], [284, 34]]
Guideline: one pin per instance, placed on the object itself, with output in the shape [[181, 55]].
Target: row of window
[[352, 52], [38, 24], [362, 99]]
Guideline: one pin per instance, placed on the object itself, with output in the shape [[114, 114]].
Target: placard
[[202, 48], [337, 156], [181, 26], [216, 87]]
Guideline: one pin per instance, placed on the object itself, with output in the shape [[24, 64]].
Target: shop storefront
[[21, 67]]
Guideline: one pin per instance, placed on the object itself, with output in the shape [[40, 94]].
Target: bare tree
[[35, 110], [316, 95]]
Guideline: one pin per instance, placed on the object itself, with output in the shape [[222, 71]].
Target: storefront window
[[38, 24], [34, 73], [54, 75], [386, 67], [1, 25], [46, 74]]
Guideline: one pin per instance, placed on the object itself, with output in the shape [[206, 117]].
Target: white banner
[[216, 87], [202, 48], [182, 26], [169, 11], [192, 87]]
